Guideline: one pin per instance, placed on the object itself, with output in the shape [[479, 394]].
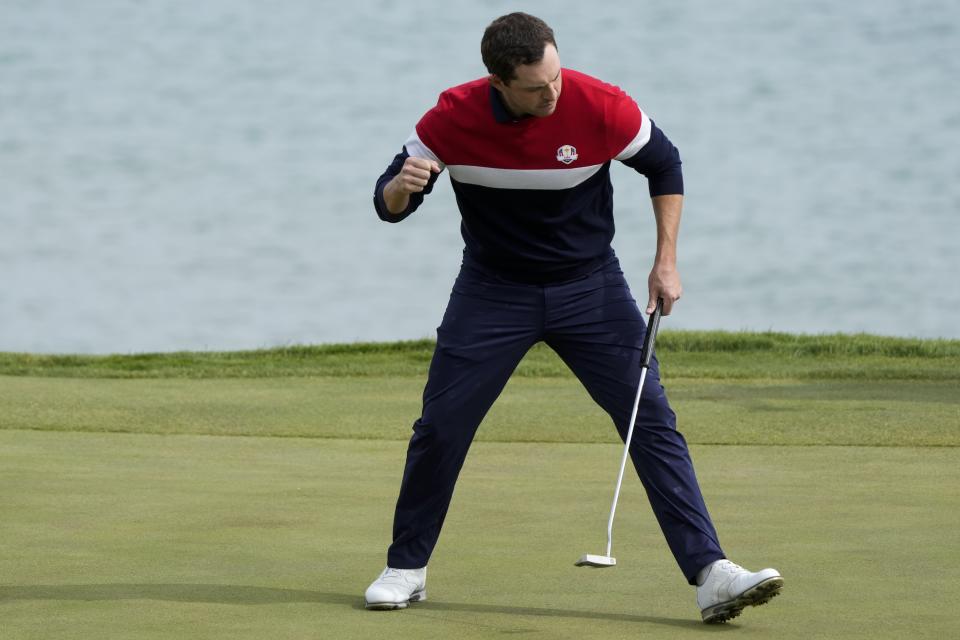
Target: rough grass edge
[[686, 354]]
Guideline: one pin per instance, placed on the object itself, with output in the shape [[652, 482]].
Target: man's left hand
[[664, 282]]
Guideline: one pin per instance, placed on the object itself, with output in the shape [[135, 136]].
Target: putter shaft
[[623, 461]]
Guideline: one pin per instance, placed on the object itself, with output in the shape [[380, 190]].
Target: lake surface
[[179, 175]]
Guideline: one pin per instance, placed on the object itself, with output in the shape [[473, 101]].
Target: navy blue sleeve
[[416, 199], [659, 161]]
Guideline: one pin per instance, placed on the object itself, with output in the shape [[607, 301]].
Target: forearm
[[667, 210], [387, 210], [664, 280], [400, 190], [394, 199]]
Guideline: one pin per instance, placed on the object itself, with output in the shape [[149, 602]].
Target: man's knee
[[441, 437]]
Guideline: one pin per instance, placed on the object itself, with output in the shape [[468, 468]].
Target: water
[[179, 175]]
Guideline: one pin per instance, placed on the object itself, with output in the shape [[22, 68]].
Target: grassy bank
[[728, 388], [685, 354]]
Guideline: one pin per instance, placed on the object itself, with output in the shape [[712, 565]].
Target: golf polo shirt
[[534, 194]]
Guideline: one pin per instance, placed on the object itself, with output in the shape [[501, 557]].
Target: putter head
[[590, 560]]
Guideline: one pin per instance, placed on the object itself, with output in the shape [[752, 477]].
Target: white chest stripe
[[545, 179], [638, 142]]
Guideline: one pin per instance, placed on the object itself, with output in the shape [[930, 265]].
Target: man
[[529, 150]]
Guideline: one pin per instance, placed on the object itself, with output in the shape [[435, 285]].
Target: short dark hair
[[512, 40]]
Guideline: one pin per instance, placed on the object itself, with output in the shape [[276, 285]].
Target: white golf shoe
[[726, 588], [397, 588]]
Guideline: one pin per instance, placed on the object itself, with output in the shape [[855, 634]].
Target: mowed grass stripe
[[770, 412]]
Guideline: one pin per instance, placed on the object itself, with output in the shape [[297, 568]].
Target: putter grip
[[652, 327]]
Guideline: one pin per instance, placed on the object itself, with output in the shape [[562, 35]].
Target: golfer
[[528, 149]]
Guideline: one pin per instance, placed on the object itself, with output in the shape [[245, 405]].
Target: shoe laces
[[730, 567]]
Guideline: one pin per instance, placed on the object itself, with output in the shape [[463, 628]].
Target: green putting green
[[147, 536]]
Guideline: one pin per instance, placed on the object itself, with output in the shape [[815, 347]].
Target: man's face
[[535, 89]]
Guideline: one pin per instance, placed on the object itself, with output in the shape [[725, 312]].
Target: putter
[[589, 559]]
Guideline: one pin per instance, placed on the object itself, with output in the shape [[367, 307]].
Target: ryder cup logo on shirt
[[567, 153]]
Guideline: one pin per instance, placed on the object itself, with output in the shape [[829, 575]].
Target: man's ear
[[496, 82]]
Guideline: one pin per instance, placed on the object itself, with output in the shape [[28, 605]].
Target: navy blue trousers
[[594, 325]]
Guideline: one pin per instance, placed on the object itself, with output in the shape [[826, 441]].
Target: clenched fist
[[415, 174], [413, 178]]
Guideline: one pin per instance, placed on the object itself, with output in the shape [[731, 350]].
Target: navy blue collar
[[500, 112]]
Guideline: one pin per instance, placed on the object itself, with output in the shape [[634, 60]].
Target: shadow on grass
[[564, 613], [248, 595]]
